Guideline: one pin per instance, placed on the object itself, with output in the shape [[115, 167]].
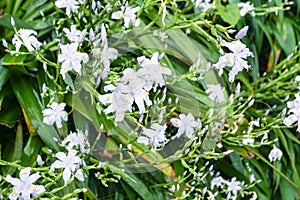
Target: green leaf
[[15, 62], [5, 22], [14, 152], [267, 31], [229, 13], [16, 8], [10, 113], [69, 82], [129, 191], [283, 175], [4, 75], [288, 146], [287, 191], [34, 9], [10, 60], [32, 110], [139, 187], [31, 150]]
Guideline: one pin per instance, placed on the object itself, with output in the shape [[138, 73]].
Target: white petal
[[290, 120], [61, 156], [66, 175], [117, 15], [176, 122], [79, 175]]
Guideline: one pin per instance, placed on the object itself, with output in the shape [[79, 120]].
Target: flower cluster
[[134, 86], [155, 136], [149, 89], [78, 146], [24, 187], [216, 93], [203, 4], [27, 38], [236, 58], [246, 7], [128, 13], [186, 124], [70, 5], [70, 57]]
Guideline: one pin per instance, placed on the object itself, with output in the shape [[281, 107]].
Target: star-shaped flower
[[55, 113], [70, 5], [129, 15], [27, 38], [155, 136], [186, 124], [24, 187], [71, 59], [69, 163]]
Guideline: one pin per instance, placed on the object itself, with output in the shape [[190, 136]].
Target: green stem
[[273, 167]]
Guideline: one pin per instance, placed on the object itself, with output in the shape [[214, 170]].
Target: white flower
[[106, 54], [117, 15], [233, 188], [134, 86], [236, 59], [245, 8], [122, 98], [248, 141], [94, 38], [4, 43], [254, 195], [242, 33], [217, 181], [119, 103], [216, 93], [69, 163], [27, 38], [74, 35], [39, 160], [204, 5], [79, 175], [186, 124], [71, 59], [155, 136], [291, 119], [70, 5], [252, 178], [44, 88], [12, 21], [275, 154], [77, 139], [294, 109], [152, 71], [129, 15], [55, 114], [295, 103], [24, 187]]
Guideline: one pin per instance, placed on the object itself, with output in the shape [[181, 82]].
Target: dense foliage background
[[213, 134]]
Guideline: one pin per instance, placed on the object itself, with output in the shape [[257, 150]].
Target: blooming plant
[[149, 99]]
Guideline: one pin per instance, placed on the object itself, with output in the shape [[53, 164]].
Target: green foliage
[[229, 13], [185, 33]]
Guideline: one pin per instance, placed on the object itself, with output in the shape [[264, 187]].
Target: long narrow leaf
[[32, 108]]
